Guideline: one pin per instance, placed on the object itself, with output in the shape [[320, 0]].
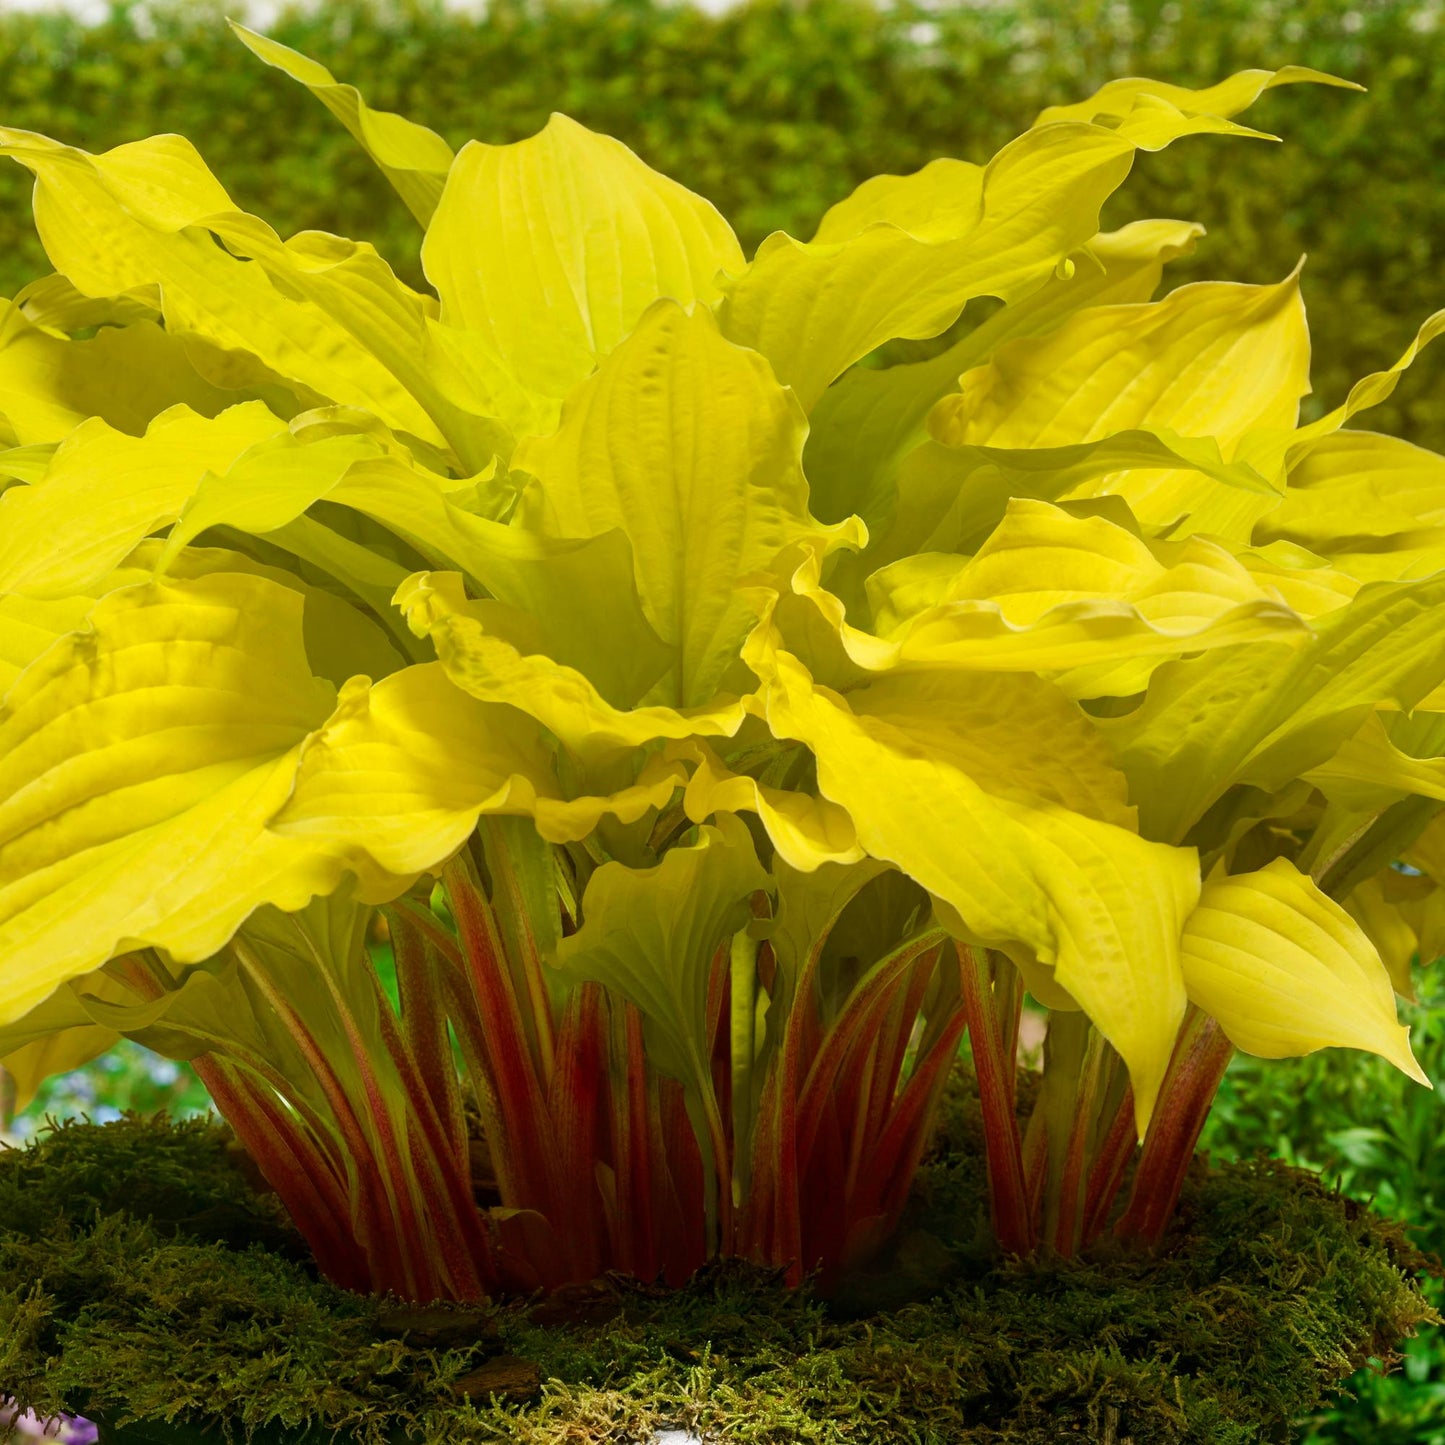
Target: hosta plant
[[720, 716]]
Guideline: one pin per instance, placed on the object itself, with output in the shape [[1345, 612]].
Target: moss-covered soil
[[142, 1278]]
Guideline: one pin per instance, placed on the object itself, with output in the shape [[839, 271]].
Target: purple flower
[[62, 1430]]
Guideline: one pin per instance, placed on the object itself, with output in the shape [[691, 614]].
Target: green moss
[[141, 1278]]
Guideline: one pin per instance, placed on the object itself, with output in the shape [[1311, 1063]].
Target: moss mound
[[143, 1279]]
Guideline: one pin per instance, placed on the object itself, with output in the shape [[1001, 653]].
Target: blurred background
[[774, 109]]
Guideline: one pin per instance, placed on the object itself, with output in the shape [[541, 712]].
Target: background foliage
[[128, 1077], [777, 108]]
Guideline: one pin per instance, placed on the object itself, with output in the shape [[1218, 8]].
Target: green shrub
[[775, 110]]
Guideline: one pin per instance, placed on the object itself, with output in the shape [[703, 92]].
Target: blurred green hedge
[[775, 109]]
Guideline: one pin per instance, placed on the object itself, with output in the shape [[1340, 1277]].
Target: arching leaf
[[1262, 714], [136, 217], [901, 258], [1120, 97], [414, 159], [550, 249], [140, 760], [865, 424], [494, 667], [1285, 970], [1210, 360], [126, 376], [1093, 901], [104, 491], [686, 444]]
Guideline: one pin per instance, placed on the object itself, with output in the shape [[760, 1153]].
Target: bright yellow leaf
[[1264, 713], [126, 376], [1369, 391], [1354, 485], [865, 424], [414, 159], [139, 761], [394, 781], [494, 669], [1369, 772], [105, 490], [1285, 970], [1092, 900], [685, 443], [806, 831], [1228, 97], [138, 216], [551, 249], [1210, 360], [912, 252], [1099, 609], [1385, 925]]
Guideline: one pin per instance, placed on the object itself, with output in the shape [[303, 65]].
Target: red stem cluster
[[1059, 1185], [595, 1156], [599, 1162]]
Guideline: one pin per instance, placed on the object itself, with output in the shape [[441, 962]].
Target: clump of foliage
[[776, 110], [1271, 1289], [1306, 1113], [720, 714]]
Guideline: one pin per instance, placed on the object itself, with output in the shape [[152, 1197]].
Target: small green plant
[[720, 726], [1308, 1113]]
